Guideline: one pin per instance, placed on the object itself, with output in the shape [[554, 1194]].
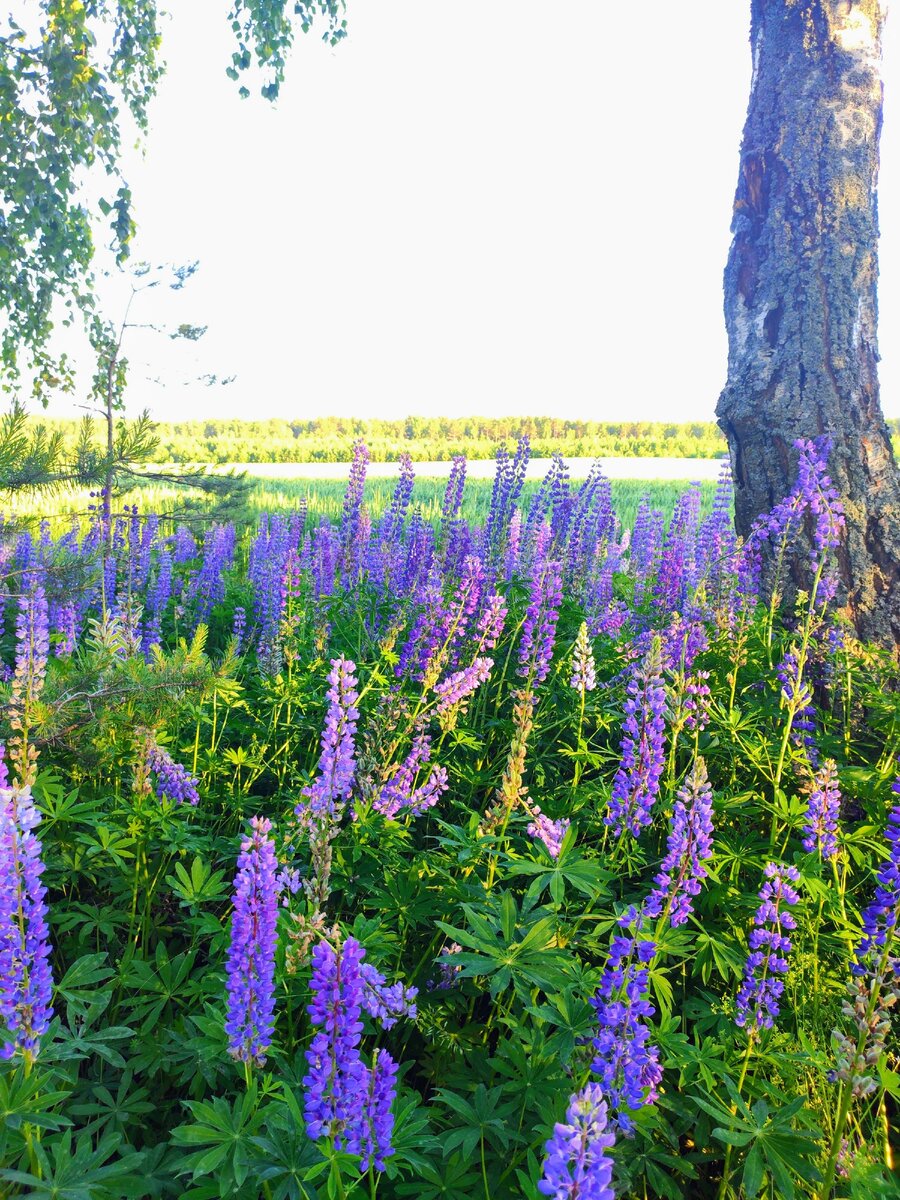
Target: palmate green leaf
[[28, 1100], [572, 868], [80, 1172], [226, 1132]]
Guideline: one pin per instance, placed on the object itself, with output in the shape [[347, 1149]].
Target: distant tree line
[[330, 439]]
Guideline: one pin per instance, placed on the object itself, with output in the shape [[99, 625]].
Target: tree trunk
[[800, 289]]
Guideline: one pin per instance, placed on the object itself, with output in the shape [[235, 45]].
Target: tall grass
[[325, 498]]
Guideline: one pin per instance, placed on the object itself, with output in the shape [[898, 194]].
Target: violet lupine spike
[[584, 671], [32, 646], [453, 495], [66, 617], [461, 684], [880, 918], [689, 845], [625, 1061], [239, 628], [770, 944], [386, 1002], [377, 1128], [400, 794], [822, 812], [539, 627], [250, 967], [577, 1164], [550, 832], [637, 781], [353, 498], [335, 1083], [491, 622], [26, 981], [327, 795], [173, 780]]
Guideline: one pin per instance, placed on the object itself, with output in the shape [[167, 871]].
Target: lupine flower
[[636, 784], [625, 1061], [550, 832], [250, 965], [4, 773], [461, 684], [25, 978], [879, 920], [32, 646], [66, 616], [353, 498], [490, 623], [539, 627], [326, 796], [377, 1127], [386, 1002], [400, 792], [448, 970], [822, 812], [173, 781], [759, 995], [690, 843], [288, 880], [453, 494], [577, 1166], [238, 627], [344, 1099], [868, 1005], [584, 671]]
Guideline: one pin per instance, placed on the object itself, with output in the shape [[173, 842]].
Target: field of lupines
[[382, 857]]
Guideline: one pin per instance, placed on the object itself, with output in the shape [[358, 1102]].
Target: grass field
[[325, 498]]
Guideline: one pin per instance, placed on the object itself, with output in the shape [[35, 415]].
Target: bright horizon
[[530, 221]]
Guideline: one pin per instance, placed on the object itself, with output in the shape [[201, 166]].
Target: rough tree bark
[[800, 288]]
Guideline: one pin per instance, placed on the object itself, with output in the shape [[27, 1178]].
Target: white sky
[[504, 208]]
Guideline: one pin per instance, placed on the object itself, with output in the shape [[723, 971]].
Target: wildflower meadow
[[533, 855]]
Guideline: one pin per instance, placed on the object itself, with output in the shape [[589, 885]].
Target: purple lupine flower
[[461, 684], [326, 796], [453, 494], [386, 1002], [26, 981], [239, 627], [770, 944], [690, 843], [636, 785], [490, 623], [66, 616], [812, 492], [879, 919], [584, 671], [625, 1061], [4, 773], [353, 498], [577, 1166], [539, 627], [717, 542], [207, 586], [645, 548], [822, 812], [173, 781], [447, 969], [550, 832], [250, 1017], [185, 545], [676, 563], [336, 1080], [32, 646], [796, 691], [377, 1127], [401, 794], [158, 598], [288, 880]]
